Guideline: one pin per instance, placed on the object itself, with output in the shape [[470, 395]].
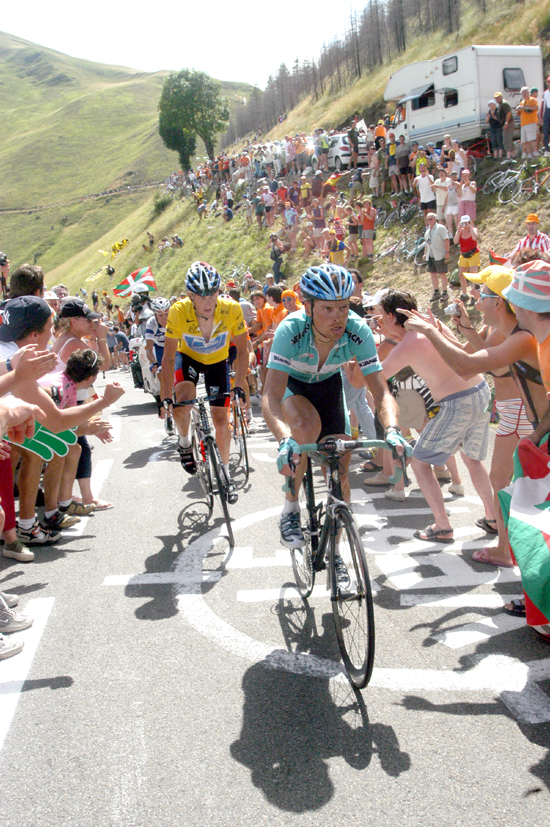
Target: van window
[[425, 100], [450, 98], [450, 65], [513, 79]]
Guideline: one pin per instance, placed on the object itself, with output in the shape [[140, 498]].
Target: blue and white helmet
[[202, 279], [330, 282], [160, 305]]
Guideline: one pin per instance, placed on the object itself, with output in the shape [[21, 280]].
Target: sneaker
[[252, 425], [343, 578], [435, 296], [58, 521], [292, 535], [11, 600], [36, 536], [17, 551], [444, 296], [464, 298], [398, 496], [187, 459], [232, 495], [9, 647], [77, 509], [457, 489], [12, 621]]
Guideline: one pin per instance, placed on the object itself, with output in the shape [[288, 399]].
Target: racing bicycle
[[210, 470], [332, 542]]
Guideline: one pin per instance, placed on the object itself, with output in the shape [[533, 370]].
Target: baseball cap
[[20, 314], [532, 217], [465, 219], [77, 309], [496, 277], [530, 287]]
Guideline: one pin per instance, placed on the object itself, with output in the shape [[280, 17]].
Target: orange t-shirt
[[544, 361], [279, 313], [265, 316], [529, 117]]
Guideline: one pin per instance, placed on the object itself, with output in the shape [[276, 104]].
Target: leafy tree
[[190, 104]]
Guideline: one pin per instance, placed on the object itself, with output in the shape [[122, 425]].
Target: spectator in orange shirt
[[273, 296], [291, 301], [528, 111]]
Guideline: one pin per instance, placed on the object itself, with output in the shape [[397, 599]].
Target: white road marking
[[162, 578], [512, 680], [14, 670], [475, 601], [480, 630], [405, 571], [263, 457]]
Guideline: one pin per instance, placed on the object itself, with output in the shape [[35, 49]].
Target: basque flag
[[143, 276]]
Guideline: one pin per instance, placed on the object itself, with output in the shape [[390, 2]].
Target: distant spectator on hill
[[534, 239], [496, 135], [4, 273], [528, 111]]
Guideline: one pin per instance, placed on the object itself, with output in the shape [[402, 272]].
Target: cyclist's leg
[[216, 379], [185, 379]]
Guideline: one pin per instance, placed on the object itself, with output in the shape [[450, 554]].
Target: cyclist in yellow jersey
[[198, 333]]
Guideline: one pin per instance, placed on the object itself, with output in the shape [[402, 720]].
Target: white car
[[339, 151]]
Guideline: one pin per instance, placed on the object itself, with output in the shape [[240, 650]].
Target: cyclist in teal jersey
[[303, 399]]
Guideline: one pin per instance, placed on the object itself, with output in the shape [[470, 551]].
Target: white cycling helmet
[[202, 279], [160, 305], [330, 282]]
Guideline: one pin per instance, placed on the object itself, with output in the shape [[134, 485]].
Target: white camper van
[[450, 94]]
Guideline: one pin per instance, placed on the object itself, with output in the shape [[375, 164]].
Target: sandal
[[485, 524], [369, 465], [483, 555], [102, 505], [516, 608], [438, 535]]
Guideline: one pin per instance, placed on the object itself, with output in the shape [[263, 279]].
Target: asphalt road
[[166, 681]]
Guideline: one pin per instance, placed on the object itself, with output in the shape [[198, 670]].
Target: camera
[[452, 310]]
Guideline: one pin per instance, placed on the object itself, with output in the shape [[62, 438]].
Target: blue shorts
[[463, 420]]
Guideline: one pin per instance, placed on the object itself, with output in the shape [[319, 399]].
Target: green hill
[[71, 128]]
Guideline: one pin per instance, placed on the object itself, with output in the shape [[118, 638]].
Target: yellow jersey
[[182, 324]]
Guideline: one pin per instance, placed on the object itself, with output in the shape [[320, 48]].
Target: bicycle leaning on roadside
[[332, 542]]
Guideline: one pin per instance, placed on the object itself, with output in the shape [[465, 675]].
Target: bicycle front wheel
[[391, 219], [220, 478], [302, 558], [352, 605], [203, 469], [524, 190], [506, 192]]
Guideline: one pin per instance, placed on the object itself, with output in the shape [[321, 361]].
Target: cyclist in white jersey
[[303, 399]]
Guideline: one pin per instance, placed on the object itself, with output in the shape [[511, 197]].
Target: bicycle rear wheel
[[380, 217], [203, 468], [506, 192], [524, 190], [302, 558], [239, 438], [409, 213], [391, 219], [353, 609], [220, 478], [493, 182], [419, 259]]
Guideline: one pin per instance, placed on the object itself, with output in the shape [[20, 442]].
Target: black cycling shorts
[[327, 397], [216, 376]]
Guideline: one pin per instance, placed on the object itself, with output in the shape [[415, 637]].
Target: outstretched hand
[[416, 322]]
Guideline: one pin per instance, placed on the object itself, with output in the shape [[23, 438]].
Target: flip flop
[[483, 555], [435, 536], [485, 524], [102, 505], [517, 608], [369, 465]]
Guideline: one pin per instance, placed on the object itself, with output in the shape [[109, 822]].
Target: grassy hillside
[[71, 128]]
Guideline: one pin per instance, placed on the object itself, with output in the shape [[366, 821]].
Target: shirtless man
[[461, 421]]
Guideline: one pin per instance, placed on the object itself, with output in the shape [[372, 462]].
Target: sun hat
[[530, 287], [496, 277]]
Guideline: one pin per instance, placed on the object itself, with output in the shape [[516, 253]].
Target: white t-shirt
[[424, 184], [441, 188]]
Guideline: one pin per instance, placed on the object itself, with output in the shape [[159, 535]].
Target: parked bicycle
[[332, 542], [531, 187]]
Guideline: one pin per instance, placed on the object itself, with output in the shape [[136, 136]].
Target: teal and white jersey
[[294, 352]]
